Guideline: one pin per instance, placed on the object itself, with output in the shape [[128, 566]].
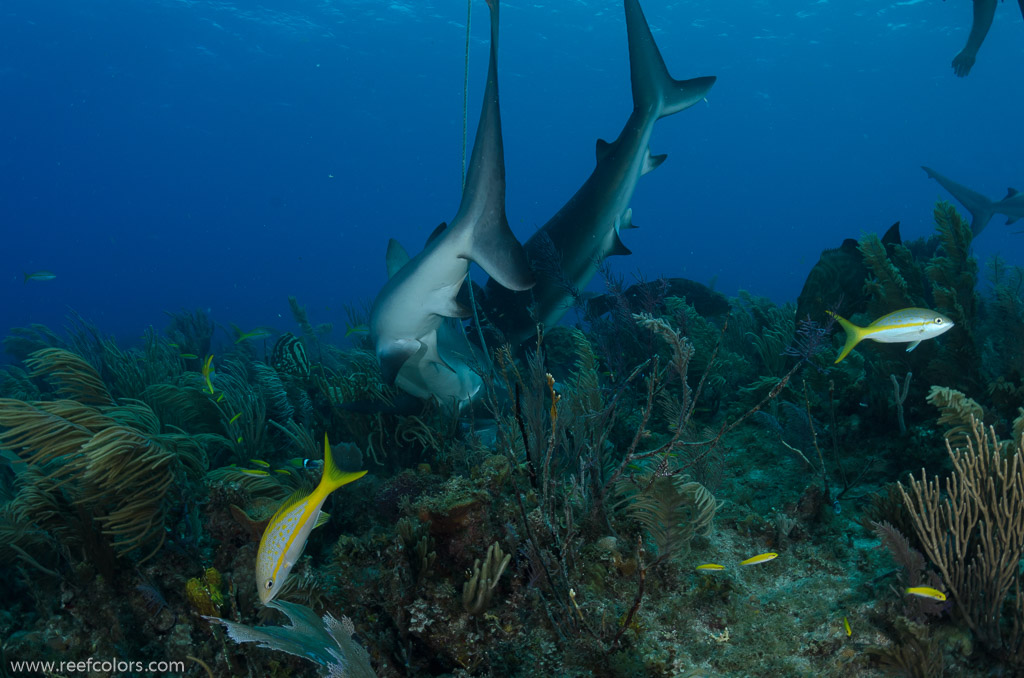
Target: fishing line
[[465, 116]]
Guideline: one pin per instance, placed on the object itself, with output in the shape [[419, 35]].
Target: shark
[[982, 209], [567, 250], [414, 316]]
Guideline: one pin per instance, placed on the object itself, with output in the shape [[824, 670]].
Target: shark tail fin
[[978, 205], [653, 87], [25, 280], [854, 335]]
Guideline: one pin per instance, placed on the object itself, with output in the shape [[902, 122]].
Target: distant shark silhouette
[[409, 318], [981, 208], [568, 249]]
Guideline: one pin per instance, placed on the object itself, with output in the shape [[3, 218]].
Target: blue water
[[217, 155]]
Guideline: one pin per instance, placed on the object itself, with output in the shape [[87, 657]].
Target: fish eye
[[270, 584], [938, 321]]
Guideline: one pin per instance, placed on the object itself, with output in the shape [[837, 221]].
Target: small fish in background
[[356, 329], [207, 372], [760, 558], [710, 567], [301, 462], [288, 530], [908, 325], [38, 275], [846, 627], [258, 333], [926, 592], [188, 356]]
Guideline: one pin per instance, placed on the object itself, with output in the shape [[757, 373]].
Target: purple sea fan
[[810, 340]]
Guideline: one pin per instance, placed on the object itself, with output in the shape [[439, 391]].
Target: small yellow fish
[[846, 627], [188, 356], [38, 275], [207, 371], [356, 329], [287, 531], [238, 439], [260, 462], [258, 333], [710, 567], [233, 419], [926, 592], [255, 472], [908, 325], [760, 558], [283, 471]]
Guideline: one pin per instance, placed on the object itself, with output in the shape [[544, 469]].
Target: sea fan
[[326, 641]]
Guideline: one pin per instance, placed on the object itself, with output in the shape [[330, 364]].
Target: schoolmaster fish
[[287, 531]]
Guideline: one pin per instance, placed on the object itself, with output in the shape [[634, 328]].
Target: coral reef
[[588, 517]]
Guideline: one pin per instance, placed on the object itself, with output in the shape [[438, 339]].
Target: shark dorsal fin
[[603, 149], [1010, 192], [651, 162], [396, 257], [436, 233]]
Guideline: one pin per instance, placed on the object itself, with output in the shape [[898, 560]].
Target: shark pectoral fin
[[496, 250], [651, 162], [1010, 192], [913, 345], [396, 257], [978, 205], [618, 248], [603, 149], [456, 310], [393, 356]]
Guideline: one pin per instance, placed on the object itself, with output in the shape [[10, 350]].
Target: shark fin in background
[[1011, 220], [653, 87], [396, 257], [1010, 192], [652, 162], [603, 149], [892, 236], [978, 205]]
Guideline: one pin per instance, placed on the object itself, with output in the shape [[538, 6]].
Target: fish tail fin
[[653, 87], [334, 477], [854, 335], [978, 205], [25, 280]]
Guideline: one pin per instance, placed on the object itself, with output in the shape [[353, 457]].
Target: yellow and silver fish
[[287, 531], [906, 326], [760, 558], [710, 567], [926, 592]]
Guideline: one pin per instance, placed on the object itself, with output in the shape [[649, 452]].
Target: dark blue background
[[184, 154]]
